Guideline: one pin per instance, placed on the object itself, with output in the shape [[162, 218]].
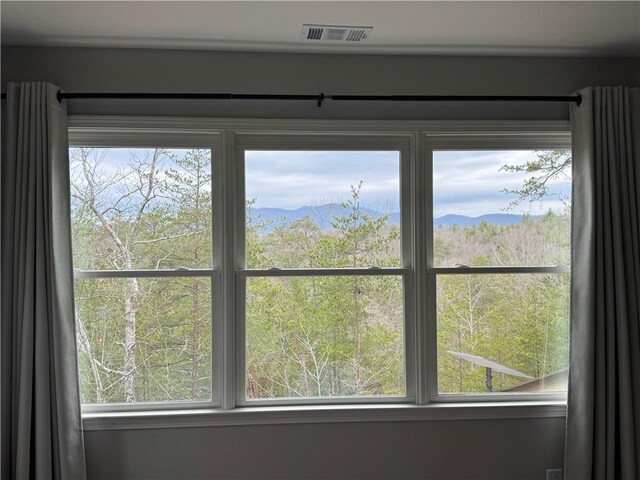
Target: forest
[[149, 339]]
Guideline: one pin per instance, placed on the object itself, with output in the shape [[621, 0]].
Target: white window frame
[[327, 142], [474, 142], [173, 138], [227, 138]]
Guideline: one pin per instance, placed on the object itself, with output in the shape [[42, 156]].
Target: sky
[[465, 182]]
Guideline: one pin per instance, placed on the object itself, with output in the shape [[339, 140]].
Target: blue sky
[[465, 182]]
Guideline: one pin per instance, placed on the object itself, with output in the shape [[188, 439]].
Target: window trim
[[223, 135]]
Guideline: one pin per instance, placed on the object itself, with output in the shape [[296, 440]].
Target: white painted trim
[[316, 401], [498, 397], [407, 259], [180, 136], [106, 124], [497, 270], [227, 357], [321, 414], [421, 243], [82, 274], [483, 140], [430, 293], [325, 141], [217, 263], [319, 272]]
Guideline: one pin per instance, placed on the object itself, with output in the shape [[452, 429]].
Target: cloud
[[465, 182], [293, 179], [471, 183]]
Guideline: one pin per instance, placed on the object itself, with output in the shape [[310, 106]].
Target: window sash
[[318, 142], [473, 142], [115, 137]]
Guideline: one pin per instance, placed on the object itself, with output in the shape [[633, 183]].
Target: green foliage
[[326, 336]]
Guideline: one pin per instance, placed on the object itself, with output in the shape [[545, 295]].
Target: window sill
[[320, 414]]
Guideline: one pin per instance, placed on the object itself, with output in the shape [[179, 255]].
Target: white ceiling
[[541, 28]]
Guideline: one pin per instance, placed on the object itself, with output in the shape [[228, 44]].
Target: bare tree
[[118, 202]]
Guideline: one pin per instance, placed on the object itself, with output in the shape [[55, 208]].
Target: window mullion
[[426, 334], [230, 248], [217, 281], [408, 161]]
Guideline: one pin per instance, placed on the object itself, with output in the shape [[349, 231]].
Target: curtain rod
[[319, 98]]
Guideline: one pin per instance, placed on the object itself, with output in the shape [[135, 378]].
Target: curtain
[[603, 417], [40, 404]]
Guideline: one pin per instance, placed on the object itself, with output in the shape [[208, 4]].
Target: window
[[143, 253], [501, 254], [324, 283], [226, 264]]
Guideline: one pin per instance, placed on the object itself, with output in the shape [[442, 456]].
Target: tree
[[548, 166], [135, 215], [150, 338], [326, 335]]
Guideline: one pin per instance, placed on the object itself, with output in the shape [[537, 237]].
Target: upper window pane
[[322, 209], [140, 208], [501, 208]]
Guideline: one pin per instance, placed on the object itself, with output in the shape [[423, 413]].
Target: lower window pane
[[329, 336], [503, 333], [144, 339]]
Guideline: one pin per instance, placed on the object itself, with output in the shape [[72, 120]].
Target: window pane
[[324, 336], [315, 209], [144, 340], [516, 325], [141, 208], [501, 207]]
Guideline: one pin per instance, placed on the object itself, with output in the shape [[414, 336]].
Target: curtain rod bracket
[[320, 100]]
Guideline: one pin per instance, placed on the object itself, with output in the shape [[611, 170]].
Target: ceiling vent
[[334, 33]]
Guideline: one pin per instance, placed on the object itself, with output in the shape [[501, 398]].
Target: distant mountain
[[500, 219], [323, 214]]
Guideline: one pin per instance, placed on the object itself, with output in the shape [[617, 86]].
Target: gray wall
[[491, 449], [482, 449], [77, 70]]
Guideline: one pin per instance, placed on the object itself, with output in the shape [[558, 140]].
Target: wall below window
[[442, 449], [471, 449]]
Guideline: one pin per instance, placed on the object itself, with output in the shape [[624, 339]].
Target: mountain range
[[322, 215]]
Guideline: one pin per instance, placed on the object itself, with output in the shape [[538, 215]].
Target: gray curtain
[[603, 417], [40, 411]]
